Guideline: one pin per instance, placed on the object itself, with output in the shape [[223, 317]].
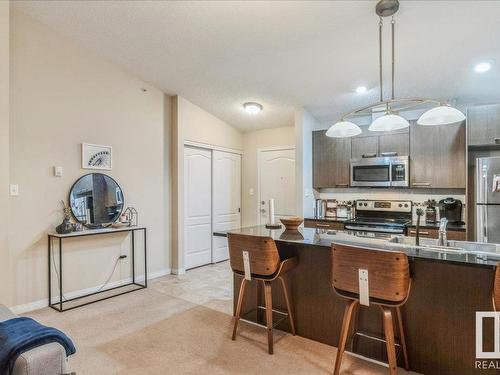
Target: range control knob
[[360, 204], [400, 205], [406, 205]]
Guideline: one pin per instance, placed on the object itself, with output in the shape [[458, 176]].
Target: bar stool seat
[[264, 265], [385, 277]]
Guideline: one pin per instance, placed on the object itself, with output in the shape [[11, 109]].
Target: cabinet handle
[[323, 225], [391, 153], [420, 184], [421, 232], [341, 185], [496, 140], [369, 155]]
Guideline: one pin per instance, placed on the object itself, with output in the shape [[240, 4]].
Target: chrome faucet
[[442, 238], [420, 212]]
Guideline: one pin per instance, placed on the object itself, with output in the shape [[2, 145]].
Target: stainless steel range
[[389, 217]]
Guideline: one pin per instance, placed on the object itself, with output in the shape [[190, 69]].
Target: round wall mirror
[[96, 200]]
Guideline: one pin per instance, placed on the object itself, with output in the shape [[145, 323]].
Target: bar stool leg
[[354, 328], [389, 339], [269, 314], [288, 305], [402, 338], [344, 333], [238, 307]]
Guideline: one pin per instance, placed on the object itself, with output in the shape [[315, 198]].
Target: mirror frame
[[94, 226]]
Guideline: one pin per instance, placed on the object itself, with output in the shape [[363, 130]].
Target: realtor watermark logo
[[487, 359]]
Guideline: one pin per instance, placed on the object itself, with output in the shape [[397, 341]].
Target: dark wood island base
[[439, 315]]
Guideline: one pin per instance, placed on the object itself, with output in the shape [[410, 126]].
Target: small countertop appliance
[[451, 209]]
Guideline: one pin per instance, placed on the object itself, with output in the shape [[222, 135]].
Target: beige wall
[[305, 123], [60, 96], [5, 295], [251, 143], [192, 123]]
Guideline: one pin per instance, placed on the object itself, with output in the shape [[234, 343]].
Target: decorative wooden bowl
[[292, 223]]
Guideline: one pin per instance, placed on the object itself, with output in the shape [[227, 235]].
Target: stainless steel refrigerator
[[488, 199]]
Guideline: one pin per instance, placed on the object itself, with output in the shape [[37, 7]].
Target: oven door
[[371, 173]]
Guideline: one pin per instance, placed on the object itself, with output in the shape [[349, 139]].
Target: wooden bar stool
[[388, 287], [496, 289], [264, 265]]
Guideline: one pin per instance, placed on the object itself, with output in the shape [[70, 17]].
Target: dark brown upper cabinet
[[483, 125], [364, 147], [398, 143], [369, 144], [331, 158], [437, 156]]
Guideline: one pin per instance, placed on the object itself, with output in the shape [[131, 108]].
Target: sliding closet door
[[197, 207], [226, 199]]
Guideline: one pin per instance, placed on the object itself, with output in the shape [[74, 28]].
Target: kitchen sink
[[479, 249]]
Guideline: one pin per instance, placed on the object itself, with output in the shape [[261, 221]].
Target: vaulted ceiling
[[287, 54]]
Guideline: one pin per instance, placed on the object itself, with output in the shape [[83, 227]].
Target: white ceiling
[[287, 54]]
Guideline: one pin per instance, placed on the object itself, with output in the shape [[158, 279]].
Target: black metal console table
[[59, 305]]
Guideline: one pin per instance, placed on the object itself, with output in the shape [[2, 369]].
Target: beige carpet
[[181, 325]]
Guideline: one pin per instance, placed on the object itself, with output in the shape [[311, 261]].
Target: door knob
[[263, 202]]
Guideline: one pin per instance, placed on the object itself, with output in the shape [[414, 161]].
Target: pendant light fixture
[[443, 114]]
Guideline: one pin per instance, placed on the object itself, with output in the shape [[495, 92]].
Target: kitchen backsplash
[[417, 197]]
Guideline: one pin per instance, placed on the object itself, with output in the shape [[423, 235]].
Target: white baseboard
[[40, 304], [178, 271]]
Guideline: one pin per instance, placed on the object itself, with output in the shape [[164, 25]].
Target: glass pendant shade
[[388, 122], [343, 129], [442, 115]]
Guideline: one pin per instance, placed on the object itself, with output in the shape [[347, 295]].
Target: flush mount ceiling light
[[361, 90], [482, 67], [252, 108], [391, 120]]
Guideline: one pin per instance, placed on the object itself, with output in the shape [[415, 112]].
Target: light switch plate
[[58, 171], [14, 190]]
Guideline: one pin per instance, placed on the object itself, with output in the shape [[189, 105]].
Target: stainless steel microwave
[[391, 171]]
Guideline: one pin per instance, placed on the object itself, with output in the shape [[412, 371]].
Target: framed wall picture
[[96, 156]]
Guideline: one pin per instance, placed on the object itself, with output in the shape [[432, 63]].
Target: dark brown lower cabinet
[[322, 224]]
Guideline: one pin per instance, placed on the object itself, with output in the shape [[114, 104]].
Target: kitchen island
[[448, 287]]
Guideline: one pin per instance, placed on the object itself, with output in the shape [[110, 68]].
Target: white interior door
[[226, 199], [277, 181], [197, 207]]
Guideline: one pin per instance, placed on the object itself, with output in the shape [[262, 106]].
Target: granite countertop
[[324, 238]]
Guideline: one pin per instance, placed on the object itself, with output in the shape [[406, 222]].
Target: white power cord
[[98, 290]]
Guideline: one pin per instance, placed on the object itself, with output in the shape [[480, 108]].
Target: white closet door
[[277, 181], [197, 207], [226, 199]]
